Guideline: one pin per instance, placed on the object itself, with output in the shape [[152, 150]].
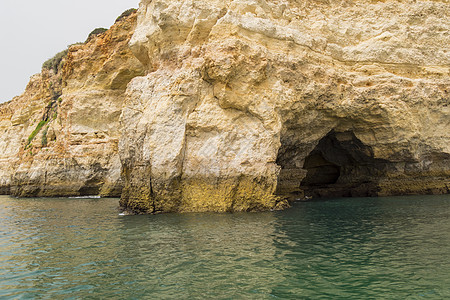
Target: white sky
[[32, 31]]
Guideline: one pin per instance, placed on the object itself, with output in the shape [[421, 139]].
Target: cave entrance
[[320, 171], [340, 165]]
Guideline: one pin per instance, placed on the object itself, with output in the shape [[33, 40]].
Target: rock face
[[248, 100], [240, 105], [60, 138]]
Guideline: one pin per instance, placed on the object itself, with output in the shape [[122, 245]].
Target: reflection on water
[[393, 248]]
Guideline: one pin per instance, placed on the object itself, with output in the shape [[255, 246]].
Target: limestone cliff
[[238, 105], [247, 100], [60, 137]]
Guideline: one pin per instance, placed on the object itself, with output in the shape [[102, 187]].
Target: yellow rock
[[247, 100], [75, 152], [239, 105]]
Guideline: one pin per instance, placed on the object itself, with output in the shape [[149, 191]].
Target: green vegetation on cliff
[[95, 32], [56, 62], [126, 14], [44, 137], [35, 132]]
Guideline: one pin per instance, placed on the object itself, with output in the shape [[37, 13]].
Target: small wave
[[85, 197]]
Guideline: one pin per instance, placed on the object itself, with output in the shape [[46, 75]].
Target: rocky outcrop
[[246, 101], [239, 105], [60, 138]]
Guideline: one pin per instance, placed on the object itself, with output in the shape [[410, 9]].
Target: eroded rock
[[240, 105], [60, 138], [241, 95]]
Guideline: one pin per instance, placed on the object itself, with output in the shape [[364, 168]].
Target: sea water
[[350, 248]]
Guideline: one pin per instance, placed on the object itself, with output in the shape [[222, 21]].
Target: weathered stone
[[75, 152], [244, 104], [249, 100]]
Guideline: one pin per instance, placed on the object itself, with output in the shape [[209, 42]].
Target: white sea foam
[[85, 197]]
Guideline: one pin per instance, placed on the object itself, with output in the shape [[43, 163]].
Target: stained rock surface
[[249, 101], [240, 106], [60, 137]]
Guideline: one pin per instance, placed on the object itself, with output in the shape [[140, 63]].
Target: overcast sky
[[32, 31]]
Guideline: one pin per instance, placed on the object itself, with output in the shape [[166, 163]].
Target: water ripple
[[389, 248]]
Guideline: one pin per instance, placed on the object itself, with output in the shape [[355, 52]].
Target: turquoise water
[[366, 248]]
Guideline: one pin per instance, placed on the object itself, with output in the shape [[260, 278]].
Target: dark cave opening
[[340, 165], [320, 171]]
